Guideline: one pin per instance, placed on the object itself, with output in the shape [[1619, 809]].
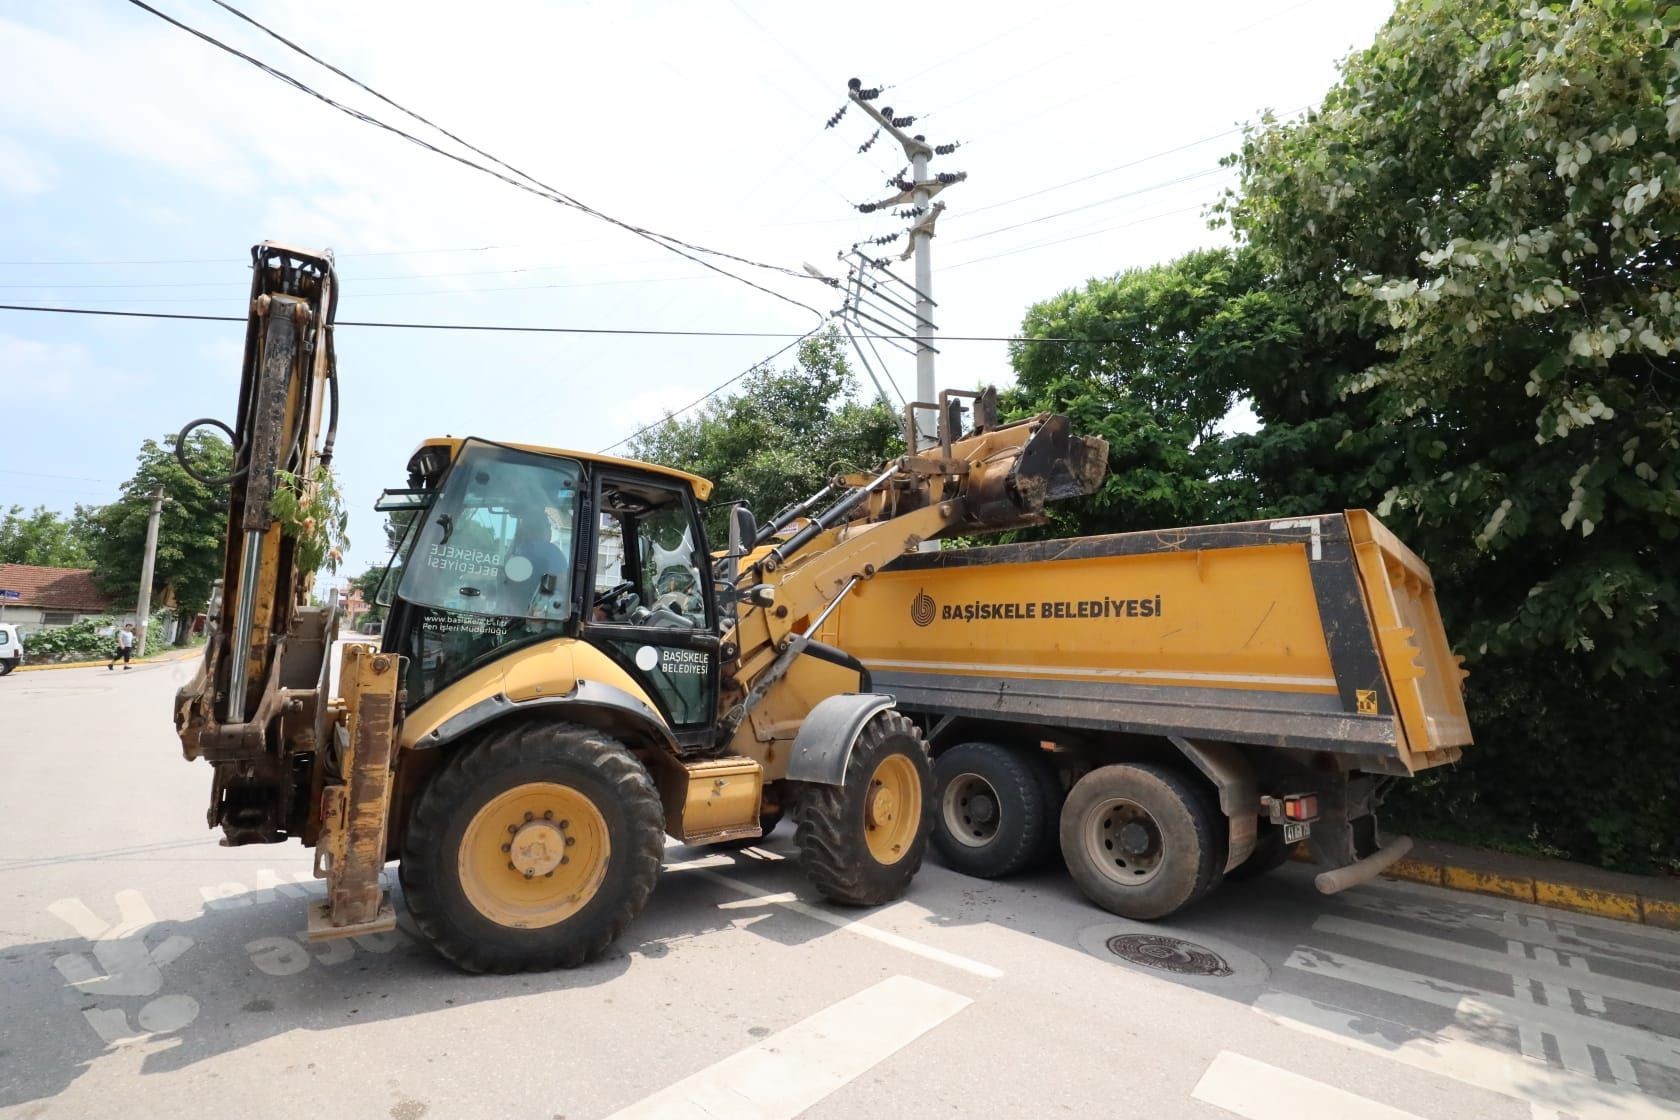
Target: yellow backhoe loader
[[567, 673]]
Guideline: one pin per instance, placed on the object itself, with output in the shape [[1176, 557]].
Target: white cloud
[[32, 371], [23, 171]]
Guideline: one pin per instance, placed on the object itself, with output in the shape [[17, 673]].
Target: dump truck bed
[[1318, 633]]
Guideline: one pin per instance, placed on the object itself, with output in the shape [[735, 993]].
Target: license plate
[[1296, 831]]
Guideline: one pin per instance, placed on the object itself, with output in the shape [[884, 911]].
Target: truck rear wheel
[[996, 814], [532, 849], [862, 841], [1140, 840]]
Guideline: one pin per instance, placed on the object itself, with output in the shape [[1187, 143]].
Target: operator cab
[[497, 546]]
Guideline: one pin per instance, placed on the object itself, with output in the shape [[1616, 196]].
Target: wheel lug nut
[[507, 847], [530, 874], [548, 814], [512, 828], [511, 867], [565, 824], [548, 875], [565, 859], [570, 840], [529, 817]]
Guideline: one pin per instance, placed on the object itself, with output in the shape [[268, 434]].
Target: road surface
[[145, 971]]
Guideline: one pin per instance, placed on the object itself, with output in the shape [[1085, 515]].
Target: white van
[[11, 648]]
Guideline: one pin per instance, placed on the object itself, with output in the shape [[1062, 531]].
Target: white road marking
[[1497, 908], [1566, 939], [1471, 1003], [123, 965], [850, 925], [1450, 1054], [1514, 962], [792, 1070], [1265, 1092]]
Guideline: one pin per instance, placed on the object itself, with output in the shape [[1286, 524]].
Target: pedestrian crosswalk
[[1563, 1017]]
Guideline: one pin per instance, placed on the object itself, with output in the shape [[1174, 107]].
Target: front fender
[[823, 745]]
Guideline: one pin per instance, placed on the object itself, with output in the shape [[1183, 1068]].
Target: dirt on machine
[[568, 673]]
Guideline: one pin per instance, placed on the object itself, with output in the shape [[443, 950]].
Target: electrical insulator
[[835, 119], [903, 122], [866, 208], [855, 83], [946, 149], [869, 94], [869, 143], [949, 177]]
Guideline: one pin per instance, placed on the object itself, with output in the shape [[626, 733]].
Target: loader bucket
[[1047, 464]]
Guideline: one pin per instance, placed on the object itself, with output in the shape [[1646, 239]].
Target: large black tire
[[995, 813], [1141, 841], [857, 849], [7, 665], [621, 824], [1269, 854]]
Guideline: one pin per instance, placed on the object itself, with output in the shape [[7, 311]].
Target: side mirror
[[743, 530]]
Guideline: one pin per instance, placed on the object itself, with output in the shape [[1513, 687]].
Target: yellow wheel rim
[[892, 809], [534, 855]]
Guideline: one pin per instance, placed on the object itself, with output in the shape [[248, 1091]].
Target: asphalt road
[[144, 971]]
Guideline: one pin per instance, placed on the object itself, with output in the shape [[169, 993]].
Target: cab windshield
[[498, 540]]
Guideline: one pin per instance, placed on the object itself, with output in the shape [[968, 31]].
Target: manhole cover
[[1170, 954]]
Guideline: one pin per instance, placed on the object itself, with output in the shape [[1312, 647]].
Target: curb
[[1625, 906], [157, 659], [1621, 906]]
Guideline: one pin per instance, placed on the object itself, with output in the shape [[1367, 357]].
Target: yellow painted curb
[[1487, 882], [1663, 915], [1625, 906], [1608, 904]]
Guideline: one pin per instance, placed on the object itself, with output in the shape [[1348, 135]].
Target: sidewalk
[[1649, 900], [168, 655]]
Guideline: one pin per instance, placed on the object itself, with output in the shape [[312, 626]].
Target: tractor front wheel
[[862, 841], [532, 849]]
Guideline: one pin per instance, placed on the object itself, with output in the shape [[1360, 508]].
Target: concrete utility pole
[[144, 609], [924, 212]]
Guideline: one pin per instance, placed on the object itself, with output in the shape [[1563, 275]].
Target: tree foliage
[[781, 437], [190, 530], [44, 538], [1454, 302]]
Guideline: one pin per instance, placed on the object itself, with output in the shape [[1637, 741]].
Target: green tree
[[1164, 353], [1479, 227], [190, 531], [46, 539], [781, 437]]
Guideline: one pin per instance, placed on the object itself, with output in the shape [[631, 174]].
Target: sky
[[139, 164]]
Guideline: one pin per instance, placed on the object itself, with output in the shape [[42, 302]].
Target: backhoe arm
[[993, 478]]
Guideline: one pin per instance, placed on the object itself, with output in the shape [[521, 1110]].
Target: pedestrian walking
[[125, 647]]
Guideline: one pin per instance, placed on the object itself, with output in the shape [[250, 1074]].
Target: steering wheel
[[613, 592]]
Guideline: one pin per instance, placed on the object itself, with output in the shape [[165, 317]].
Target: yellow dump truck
[[1171, 706]]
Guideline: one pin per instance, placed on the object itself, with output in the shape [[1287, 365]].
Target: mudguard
[[823, 745]]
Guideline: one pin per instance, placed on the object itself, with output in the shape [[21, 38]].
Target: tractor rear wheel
[[862, 841], [532, 849]]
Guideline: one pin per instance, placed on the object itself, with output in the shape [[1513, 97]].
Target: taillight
[[1297, 807], [1301, 807]]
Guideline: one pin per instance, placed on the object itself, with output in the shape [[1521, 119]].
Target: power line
[[1065, 240], [515, 329], [533, 186], [1109, 170], [714, 391], [1100, 202]]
